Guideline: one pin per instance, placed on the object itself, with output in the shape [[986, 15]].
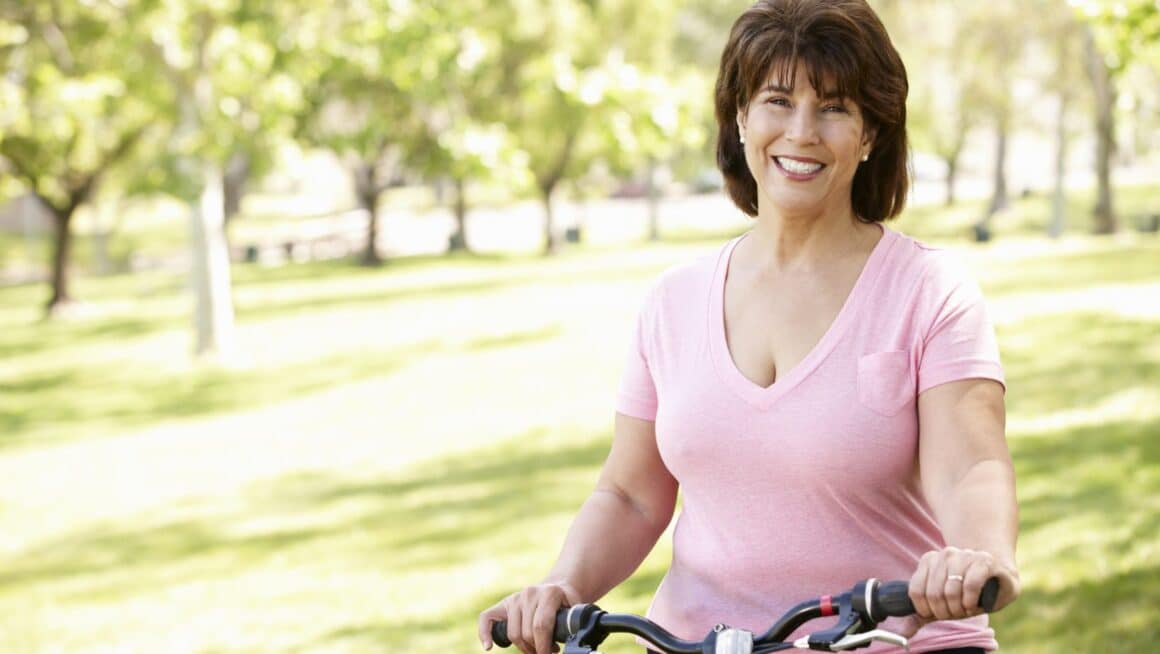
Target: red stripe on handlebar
[[827, 606]]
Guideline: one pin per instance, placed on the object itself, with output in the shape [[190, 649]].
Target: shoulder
[[683, 290], [929, 270], [692, 277]]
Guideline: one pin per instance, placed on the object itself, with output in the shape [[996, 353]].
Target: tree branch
[[57, 41]]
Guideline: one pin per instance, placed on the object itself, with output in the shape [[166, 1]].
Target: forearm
[[980, 512], [606, 542]]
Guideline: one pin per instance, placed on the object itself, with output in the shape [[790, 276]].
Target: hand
[[947, 583], [530, 615]]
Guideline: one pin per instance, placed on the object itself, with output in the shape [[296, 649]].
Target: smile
[[795, 167]]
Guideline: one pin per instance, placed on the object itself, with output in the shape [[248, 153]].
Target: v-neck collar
[[765, 396]]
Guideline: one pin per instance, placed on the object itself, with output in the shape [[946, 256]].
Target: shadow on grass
[[52, 406], [494, 282], [481, 505], [1117, 263], [1074, 360], [1116, 613], [42, 407], [481, 274], [444, 513]]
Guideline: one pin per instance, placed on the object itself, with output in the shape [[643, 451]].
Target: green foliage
[[1127, 30], [230, 86], [75, 99]]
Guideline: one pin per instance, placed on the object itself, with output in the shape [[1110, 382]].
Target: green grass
[[405, 445]]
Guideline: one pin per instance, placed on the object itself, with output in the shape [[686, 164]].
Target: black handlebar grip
[[989, 595], [499, 630], [894, 599]]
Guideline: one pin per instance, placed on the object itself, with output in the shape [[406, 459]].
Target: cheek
[[845, 140]]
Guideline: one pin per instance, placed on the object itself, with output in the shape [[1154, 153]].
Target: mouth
[[798, 169]]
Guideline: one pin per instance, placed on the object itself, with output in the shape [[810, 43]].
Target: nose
[[803, 127]]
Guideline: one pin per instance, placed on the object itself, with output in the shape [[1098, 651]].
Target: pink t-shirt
[[805, 487]]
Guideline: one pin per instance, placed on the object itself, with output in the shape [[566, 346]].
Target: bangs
[[833, 71]]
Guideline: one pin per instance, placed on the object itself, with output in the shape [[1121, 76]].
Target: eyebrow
[[778, 88]]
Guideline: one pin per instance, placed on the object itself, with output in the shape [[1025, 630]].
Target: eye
[[778, 100], [835, 108]]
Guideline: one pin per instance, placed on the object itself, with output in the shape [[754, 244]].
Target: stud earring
[[866, 157], [742, 139]]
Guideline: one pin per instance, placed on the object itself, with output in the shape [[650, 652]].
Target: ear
[[741, 121]]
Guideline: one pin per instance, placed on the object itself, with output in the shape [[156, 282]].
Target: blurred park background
[[311, 313]]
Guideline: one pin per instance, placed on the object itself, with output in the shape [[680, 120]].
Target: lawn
[[402, 446]]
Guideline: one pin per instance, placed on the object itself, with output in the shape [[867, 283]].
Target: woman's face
[[803, 147]]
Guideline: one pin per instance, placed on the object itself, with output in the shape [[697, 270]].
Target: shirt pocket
[[884, 382]]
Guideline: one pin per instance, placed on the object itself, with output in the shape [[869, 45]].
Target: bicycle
[[583, 627]]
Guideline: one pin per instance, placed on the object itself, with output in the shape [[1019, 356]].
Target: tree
[[587, 82], [467, 137], [660, 106], [76, 103], [943, 107], [995, 38], [1062, 37], [1120, 33], [374, 68], [212, 55]]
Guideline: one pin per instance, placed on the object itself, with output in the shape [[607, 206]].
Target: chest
[[771, 325]]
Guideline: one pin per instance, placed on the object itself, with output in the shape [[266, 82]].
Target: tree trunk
[[458, 241], [547, 184], [234, 177], [367, 191], [952, 174], [214, 312], [61, 251], [999, 199], [654, 219], [551, 235], [105, 217], [1059, 197], [1105, 97]]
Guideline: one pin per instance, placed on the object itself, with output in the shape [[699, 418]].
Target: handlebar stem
[[584, 627]]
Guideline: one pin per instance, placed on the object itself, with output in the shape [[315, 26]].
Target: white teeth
[[799, 167]]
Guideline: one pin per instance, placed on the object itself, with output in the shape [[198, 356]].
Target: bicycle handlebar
[[560, 634], [872, 600], [893, 598]]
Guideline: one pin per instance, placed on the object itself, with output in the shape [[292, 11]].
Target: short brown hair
[[842, 40]]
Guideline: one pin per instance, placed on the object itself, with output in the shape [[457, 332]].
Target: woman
[[825, 392]]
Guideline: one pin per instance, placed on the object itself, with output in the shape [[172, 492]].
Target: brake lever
[[853, 641]]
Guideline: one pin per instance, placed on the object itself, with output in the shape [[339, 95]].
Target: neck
[[782, 243]]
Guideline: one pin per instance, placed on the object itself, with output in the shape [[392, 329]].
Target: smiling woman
[[826, 393]]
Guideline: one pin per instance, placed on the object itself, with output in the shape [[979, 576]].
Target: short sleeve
[[960, 342], [637, 396]]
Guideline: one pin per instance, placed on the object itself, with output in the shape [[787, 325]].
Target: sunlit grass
[[405, 445]]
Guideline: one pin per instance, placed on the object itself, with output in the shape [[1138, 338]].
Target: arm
[[618, 525], [614, 530], [969, 482]]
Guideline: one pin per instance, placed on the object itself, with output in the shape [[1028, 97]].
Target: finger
[[974, 577], [485, 622], [936, 588], [953, 596], [529, 625], [544, 624], [515, 625], [1009, 585], [917, 588], [957, 562]]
